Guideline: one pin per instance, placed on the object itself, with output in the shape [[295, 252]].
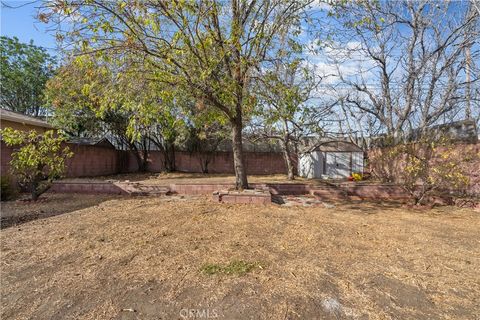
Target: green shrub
[[38, 159]]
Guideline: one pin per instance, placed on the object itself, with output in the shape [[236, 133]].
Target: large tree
[[25, 68], [73, 109], [212, 49], [286, 112], [85, 100], [412, 62]]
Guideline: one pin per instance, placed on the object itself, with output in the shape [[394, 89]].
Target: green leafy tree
[[72, 108], [79, 98], [211, 49], [164, 131], [158, 116], [283, 112], [25, 68], [92, 98], [204, 135], [39, 159]]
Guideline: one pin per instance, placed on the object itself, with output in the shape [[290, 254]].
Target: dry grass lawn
[[174, 258], [165, 178]]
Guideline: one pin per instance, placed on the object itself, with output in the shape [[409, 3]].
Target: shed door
[[338, 164], [357, 162]]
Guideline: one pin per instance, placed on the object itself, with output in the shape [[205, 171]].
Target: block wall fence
[[468, 155], [221, 162], [91, 161]]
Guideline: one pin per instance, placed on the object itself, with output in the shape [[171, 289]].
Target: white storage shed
[[331, 160]]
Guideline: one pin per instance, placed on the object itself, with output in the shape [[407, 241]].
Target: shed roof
[[24, 119], [338, 146]]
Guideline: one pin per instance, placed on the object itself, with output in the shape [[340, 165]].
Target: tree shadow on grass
[[20, 211]]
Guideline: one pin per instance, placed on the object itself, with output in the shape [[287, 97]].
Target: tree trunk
[[205, 166], [288, 159], [144, 160], [37, 188], [238, 163], [169, 156], [142, 163], [34, 193], [203, 160]]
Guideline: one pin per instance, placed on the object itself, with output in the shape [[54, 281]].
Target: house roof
[[24, 119], [100, 142]]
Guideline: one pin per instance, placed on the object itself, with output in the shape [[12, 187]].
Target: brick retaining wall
[[103, 187], [347, 191], [375, 191]]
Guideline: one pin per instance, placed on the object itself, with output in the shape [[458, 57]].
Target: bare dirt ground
[[181, 258], [23, 210]]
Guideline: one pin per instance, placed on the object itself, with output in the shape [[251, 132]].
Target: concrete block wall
[[91, 161], [468, 155], [87, 161], [221, 162]]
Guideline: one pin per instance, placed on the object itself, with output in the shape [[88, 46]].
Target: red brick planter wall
[[86, 187], [248, 196], [197, 189], [369, 192]]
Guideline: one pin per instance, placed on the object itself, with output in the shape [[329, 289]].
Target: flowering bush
[[357, 176], [424, 167]]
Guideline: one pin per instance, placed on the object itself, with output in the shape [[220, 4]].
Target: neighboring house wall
[[22, 126], [6, 156]]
